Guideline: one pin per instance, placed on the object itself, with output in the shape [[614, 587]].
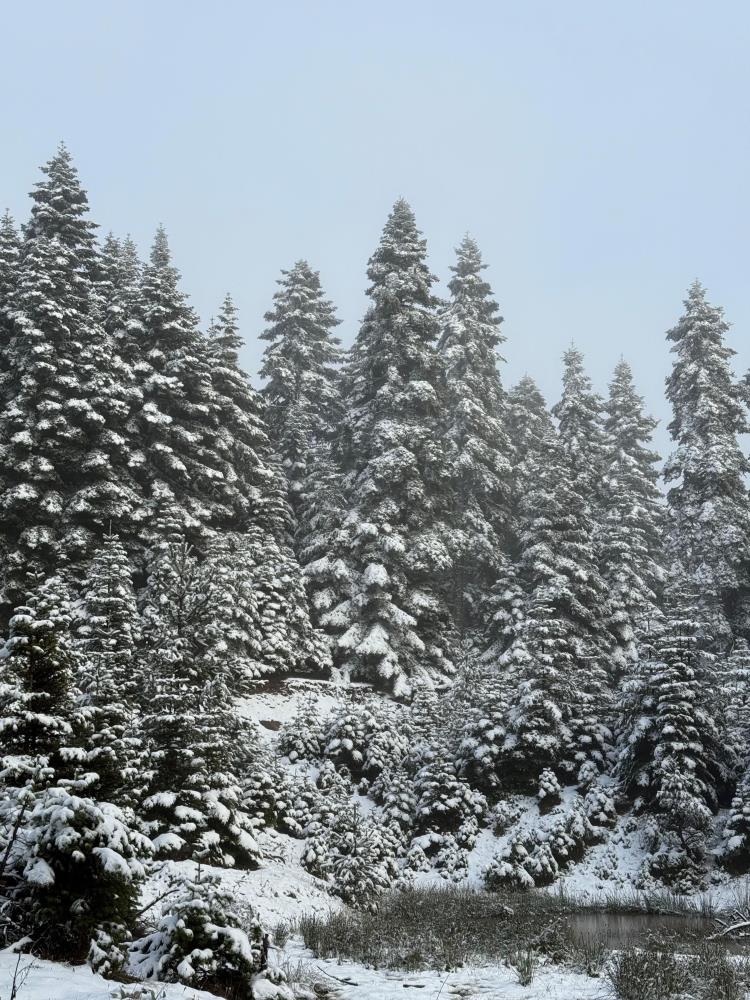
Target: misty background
[[599, 153]]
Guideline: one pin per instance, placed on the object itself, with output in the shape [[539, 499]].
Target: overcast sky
[[598, 151]]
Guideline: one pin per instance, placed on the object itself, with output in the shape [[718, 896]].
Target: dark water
[[623, 930]]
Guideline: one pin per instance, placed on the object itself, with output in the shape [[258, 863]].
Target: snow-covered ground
[[50, 981], [281, 891]]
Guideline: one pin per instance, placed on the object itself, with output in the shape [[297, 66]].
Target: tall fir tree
[[528, 426], [320, 537], [9, 257], [579, 414], [198, 427], [64, 462], [120, 273], [190, 798], [633, 517], [243, 434], [110, 676], [38, 698], [559, 703], [708, 528], [475, 431], [671, 759], [302, 392], [395, 629]]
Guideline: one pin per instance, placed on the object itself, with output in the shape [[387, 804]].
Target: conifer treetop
[[61, 207]]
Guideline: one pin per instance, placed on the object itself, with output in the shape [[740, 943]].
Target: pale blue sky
[[598, 151]]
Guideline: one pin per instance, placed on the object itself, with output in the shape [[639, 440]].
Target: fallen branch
[[730, 930], [346, 982]]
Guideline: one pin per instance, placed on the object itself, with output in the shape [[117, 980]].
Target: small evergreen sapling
[[199, 940]]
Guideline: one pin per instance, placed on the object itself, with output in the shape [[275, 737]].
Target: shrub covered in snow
[[303, 736], [354, 853], [364, 738], [76, 879], [535, 857], [549, 790], [446, 803], [198, 940]]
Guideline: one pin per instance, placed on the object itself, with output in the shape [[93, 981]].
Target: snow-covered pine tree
[[224, 336], [184, 446], [356, 854], [243, 436], [528, 424], [481, 753], [36, 720], [303, 736], [579, 414], [735, 699], [63, 459], [304, 409], [708, 527], [475, 431], [672, 761], [9, 255], [74, 862], [78, 888], [110, 677], [320, 539], [287, 642], [630, 542], [559, 711], [395, 629], [119, 282], [301, 390], [735, 848], [199, 940], [272, 607], [190, 802]]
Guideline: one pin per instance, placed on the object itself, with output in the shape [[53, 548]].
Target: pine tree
[[243, 437], [355, 854], [579, 416], [300, 369], [303, 736], [395, 628], [119, 282], [735, 849], [528, 425], [64, 472], [190, 426], [286, 640], [672, 762], [481, 754], [478, 460], [191, 800], [110, 678], [9, 257], [631, 537], [320, 539], [74, 862], [708, 518], [39, 664], [77, 891], [735, 698], [224, 337], [559, 714], [200, 940]]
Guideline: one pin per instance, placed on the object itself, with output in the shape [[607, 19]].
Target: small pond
[[623, 930]]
